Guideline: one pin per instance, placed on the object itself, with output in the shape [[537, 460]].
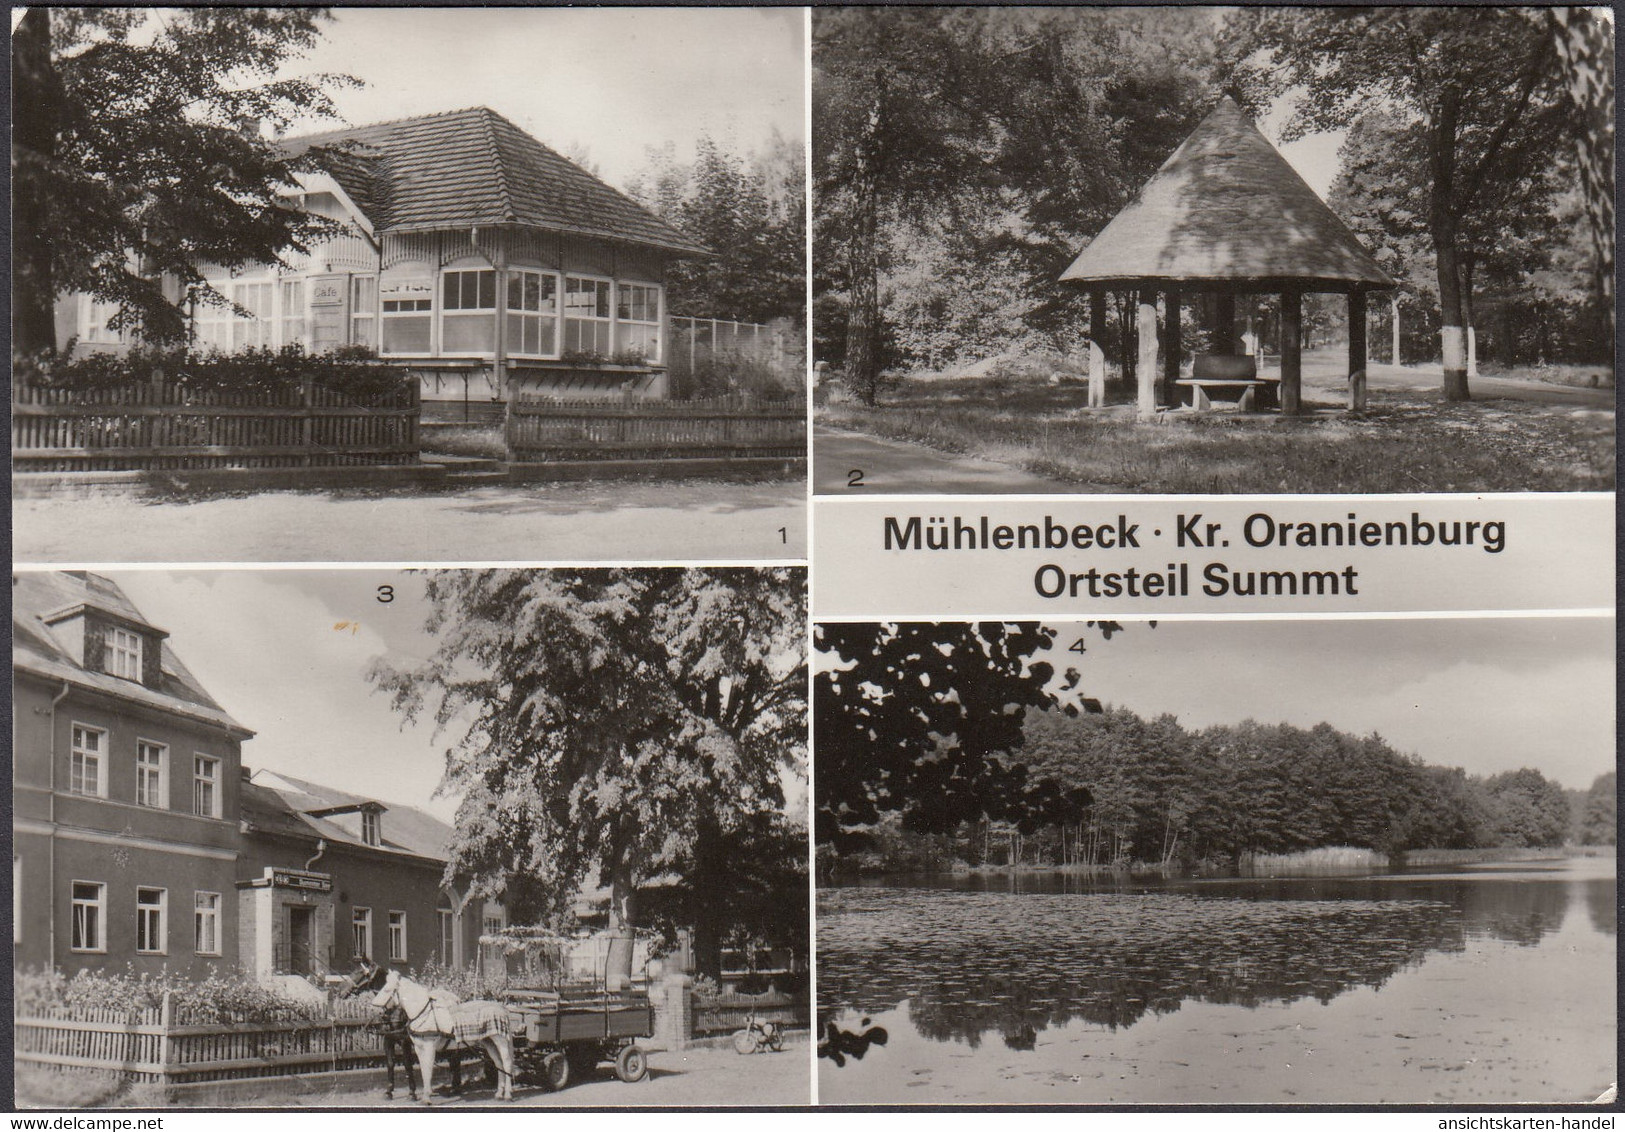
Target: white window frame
[[296, 320], [83, 761], [657, 324], [446, 923], [93, 318], [423, 306], [373, 338], [264, 325], [152, 920], [151, 777], [99, 904], [470, 314], [361, 932], [372, 827], [566, 317], [199, 779], [123, 650], [206, 912], [516, 275], [397, 934]]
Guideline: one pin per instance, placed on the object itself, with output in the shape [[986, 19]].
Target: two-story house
[[124, 788], [141, 842], [475, 256]]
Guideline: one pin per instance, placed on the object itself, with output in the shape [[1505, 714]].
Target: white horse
[[435, 1019]]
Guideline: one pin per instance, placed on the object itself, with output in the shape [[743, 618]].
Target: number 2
[[854, 478]]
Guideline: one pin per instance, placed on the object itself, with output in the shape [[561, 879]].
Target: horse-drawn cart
[[560, 1036]]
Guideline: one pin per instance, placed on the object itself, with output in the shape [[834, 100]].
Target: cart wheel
[[745, 1041], [631, 1064], [555, 1071]]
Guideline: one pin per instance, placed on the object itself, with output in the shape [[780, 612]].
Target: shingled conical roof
[[1227, 209]]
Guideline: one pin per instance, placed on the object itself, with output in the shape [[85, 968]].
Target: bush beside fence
[[168, 427], [164, 1044], [549, 430]]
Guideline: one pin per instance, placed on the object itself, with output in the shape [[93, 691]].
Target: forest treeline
[[1164, 796]]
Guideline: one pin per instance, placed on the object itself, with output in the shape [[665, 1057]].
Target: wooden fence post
[[165, 1019], [307, 426]]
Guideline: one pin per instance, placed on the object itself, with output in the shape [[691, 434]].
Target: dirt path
[[895, 466], [605, 522]]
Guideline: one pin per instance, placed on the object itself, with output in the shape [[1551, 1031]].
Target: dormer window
[[372, 827], [122, 657]]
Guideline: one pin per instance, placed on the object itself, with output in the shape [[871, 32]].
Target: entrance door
[[301, 939]]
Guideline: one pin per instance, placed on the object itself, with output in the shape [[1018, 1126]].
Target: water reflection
[[1011, 956]]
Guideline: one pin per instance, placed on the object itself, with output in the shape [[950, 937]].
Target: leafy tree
[[1482, 94], [1599, 816], [924, 720], [1528, 808], [132, 160], [616, 723], [750, 210]]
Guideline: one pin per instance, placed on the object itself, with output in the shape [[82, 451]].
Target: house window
[[361, 932], [255, 330], [533, 314], [364, 311], [85, 765], [468, 306], [89, 916], [94, 329], [637, 313], [447, 935], [206, 923], [151, 763], [205, 786], [150, 905], [587, 320], [492, 925], [405, 323], [123, 654], [293, 311], [397, 935], [372, 827]]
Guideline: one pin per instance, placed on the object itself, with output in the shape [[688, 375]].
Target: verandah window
[[587, 319], [637, 313], [533, 314], [468, 312]]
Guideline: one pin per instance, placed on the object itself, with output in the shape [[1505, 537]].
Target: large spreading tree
[[1482, 92], [613, 725], [138, 153]]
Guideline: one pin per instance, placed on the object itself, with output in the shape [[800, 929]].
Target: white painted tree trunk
[[1472, 352], [1394, 303], [1146, 400], [1097, 376], [1453, 344]]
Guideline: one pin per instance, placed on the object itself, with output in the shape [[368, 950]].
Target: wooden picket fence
[[547, 430], [165, 427], [726, 1013], [162, 1044]]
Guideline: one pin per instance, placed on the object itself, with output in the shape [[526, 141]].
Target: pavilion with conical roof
[[1226, 215]]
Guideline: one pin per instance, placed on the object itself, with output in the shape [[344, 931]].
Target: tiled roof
[[276, 803], [34, 647], [467, 168], [1226, 208]]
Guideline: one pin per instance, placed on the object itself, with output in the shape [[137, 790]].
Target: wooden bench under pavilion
[[1225, 216]]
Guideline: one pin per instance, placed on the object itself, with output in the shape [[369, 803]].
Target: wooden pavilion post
[[1357, 351], [1291, 353], [1097, 349], [1170, 354], [1146, 372], [1224, 322]]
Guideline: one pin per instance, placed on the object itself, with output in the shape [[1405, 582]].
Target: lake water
[[1484, 983]]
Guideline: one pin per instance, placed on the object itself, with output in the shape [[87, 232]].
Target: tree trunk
[[36, 109], [706, 910], [1442, 222], [863, 267], [1469, 317], [1291, 353]]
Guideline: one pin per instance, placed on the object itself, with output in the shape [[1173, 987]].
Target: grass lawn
[[1407, 440]]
